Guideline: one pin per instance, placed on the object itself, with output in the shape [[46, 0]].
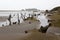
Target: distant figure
[[18, 19], [9, 19]]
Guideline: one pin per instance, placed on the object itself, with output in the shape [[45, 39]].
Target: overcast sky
[[23, 4]]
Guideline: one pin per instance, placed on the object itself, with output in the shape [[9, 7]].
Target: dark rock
[[26, 31]]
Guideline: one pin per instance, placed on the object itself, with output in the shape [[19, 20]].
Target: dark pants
[[43, 29]]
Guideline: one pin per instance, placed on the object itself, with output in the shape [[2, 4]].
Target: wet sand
[[13, 36], [19, 28], [17, 32]]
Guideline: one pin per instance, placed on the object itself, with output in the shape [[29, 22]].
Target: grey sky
[[22, 4]]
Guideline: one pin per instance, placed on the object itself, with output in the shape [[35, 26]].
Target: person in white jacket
[[44, 24]]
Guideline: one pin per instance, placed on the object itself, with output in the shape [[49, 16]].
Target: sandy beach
[[17, 32]]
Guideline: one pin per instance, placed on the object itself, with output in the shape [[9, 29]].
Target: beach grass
[[55, 17]]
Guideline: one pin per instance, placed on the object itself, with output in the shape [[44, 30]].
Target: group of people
[[19, 18]]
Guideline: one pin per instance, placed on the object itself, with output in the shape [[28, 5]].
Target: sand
[[17, 32]]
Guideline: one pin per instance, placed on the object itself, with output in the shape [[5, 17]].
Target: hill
[[55, 9], [56, 16]]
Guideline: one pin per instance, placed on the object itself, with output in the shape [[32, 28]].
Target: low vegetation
[[55, 16]]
